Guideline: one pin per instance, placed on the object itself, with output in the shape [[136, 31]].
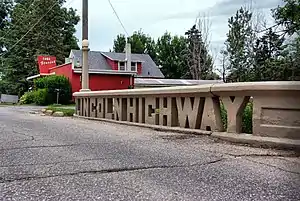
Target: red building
[[107, 70]]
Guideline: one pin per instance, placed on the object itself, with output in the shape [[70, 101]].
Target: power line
[[34, 26], [21, 16], [115, 12]]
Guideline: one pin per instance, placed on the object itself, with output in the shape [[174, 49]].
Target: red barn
[[107, 70]]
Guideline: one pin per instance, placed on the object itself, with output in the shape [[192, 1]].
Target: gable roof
[[97, 61]]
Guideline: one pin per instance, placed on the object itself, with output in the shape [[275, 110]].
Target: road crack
[[55, 163], [108, 171], [19, 133], [273, 166], [48, 146]]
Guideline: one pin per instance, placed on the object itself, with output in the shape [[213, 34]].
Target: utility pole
[[85, 47]]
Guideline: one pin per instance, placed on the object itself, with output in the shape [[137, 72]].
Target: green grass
[[59, 105], [7, 104], [67, 112]]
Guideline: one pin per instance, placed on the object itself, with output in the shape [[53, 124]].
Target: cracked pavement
[[47, 158]]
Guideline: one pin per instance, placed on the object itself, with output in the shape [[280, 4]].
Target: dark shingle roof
[[97, 62]]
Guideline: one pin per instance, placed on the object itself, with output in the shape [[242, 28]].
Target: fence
[[9, 98], [276, 107]]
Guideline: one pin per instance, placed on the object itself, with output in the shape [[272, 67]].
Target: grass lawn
[[7, 104], [60, 106], [67, 111]]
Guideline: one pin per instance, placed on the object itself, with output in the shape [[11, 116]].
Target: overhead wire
[[119, 19], [22, 17], [38, 21]]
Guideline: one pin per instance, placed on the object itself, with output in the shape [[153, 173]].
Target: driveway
[[47, 158]]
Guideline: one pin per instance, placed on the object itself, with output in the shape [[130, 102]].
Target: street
[[48, 158]]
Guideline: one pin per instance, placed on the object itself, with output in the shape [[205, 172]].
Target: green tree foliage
[[267, 60], [119, 43], [42, 27], [5, 9], [170, 51], [140, 44], [272, 56], [288, 16], [240, 32], [199, 61]]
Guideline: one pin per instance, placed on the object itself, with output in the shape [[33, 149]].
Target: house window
[[134, 66], [122, 66]]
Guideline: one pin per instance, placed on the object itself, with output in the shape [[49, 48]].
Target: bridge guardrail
[[276, 107]]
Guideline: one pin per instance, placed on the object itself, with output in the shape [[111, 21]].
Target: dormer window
[[122, 66], [77, 63], [134, 66]]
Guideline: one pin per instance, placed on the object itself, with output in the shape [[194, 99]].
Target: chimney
[[128, 56]]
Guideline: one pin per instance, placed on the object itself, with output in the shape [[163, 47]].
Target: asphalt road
[[46, 158]]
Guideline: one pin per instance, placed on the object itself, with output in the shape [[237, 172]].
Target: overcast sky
[[155, 17]]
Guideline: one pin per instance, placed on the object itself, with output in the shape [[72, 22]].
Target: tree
[[268, 51], [140, 44], [288, 16], [42, 27], [199, 61], [5, 9], [224, 64], [170, 51], [119, 43], [239, 35]]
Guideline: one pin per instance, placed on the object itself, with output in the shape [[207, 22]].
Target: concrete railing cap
[[207, 88]]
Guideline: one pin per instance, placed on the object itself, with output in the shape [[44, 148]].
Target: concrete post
[[85, 48], [128, 56], [85, 67]]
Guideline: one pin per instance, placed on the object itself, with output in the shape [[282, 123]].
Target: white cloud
[[157, 16]]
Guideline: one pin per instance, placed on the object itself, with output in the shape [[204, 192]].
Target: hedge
[[52, 83], [45, 91], [41, 97]]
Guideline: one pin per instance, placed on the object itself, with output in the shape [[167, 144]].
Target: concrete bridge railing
[[276, 107]]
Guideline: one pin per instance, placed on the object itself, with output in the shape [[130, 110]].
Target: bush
[[41, 97], [247, 118], [27, 98], [66, 111], [52, 83]]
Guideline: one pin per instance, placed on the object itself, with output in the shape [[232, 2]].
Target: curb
[[154, 127], [255, 141], [258, 141]]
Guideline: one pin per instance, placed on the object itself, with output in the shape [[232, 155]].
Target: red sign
[[45, 63]]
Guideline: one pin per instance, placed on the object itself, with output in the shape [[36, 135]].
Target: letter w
[[190, 111]]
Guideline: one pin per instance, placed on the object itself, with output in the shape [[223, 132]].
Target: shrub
[[52, 83], [247, 118], [41, 97], [27, 98], [66, 111], [224, 115]]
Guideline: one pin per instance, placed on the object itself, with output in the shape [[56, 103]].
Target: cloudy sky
[[155, 17]]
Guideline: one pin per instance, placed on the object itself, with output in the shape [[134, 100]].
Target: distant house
[[107, 70]]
